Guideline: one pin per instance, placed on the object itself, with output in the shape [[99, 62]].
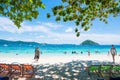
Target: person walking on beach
[[113, 53], [37, 54]]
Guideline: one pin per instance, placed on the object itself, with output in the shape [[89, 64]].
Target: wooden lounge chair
[[16, 71], [105, 71], [115, 70], [4, 69], [28, 71], [94, 70]]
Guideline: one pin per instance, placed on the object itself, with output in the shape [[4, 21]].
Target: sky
[[43, 30]]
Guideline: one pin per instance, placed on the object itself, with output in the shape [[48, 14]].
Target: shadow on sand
[[75, 70]]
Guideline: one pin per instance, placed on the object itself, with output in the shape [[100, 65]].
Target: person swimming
[[74, 52], [65, 52]]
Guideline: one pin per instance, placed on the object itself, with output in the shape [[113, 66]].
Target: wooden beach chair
[[16, 70], [105, 71], [116, 70], [28, 71], [4, 69], [94, 70]]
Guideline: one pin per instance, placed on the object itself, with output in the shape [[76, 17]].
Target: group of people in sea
[[113, 52], [75, 52]]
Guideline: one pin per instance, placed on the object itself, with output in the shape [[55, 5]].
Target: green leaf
[[64, 0], [48, 15], [31, 1], [76, 30], [43, 6], [77, 23], [83, 24], [86, 28], [58, 18], [78, 34]]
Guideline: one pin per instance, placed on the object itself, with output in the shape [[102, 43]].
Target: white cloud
[[51, 25], [103, 38], [40, 37], [69, 30], [35, 28], [72, 39], [8, 26], [10, 38], [43, 32]]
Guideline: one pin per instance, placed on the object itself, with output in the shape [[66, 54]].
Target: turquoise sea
[[55, 49]]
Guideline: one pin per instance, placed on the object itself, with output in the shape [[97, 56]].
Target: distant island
[[89, 42], [17, 43]]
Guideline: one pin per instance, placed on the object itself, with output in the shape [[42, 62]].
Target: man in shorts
[[37, 54]]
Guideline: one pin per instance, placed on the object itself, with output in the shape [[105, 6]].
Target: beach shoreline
[[57, 59]]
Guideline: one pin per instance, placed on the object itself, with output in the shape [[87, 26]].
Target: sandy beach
[[57, 59], [62, 67]]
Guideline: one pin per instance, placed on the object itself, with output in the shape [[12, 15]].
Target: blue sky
[[45, 30]]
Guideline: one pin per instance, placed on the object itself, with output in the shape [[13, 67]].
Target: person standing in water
[[113, 53], [88, 52], [37, 54]]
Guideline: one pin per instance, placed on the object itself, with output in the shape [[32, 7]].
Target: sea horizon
[[27, 48]]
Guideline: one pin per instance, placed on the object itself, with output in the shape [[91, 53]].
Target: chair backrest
[[93, 68], [27, 67], [116, 67], [4, 66], [15, 66], [106, 67], [28, 70]]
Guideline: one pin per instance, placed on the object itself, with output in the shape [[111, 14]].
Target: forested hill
[[89, 42], [17, 43]]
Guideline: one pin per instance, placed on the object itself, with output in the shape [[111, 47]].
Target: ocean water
[[55, 49]]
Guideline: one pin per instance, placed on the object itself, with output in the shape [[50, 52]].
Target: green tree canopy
[[20, 10], [81, 12]]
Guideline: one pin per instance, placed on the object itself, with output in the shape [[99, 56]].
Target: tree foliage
[[20, 10], [83, 12]]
